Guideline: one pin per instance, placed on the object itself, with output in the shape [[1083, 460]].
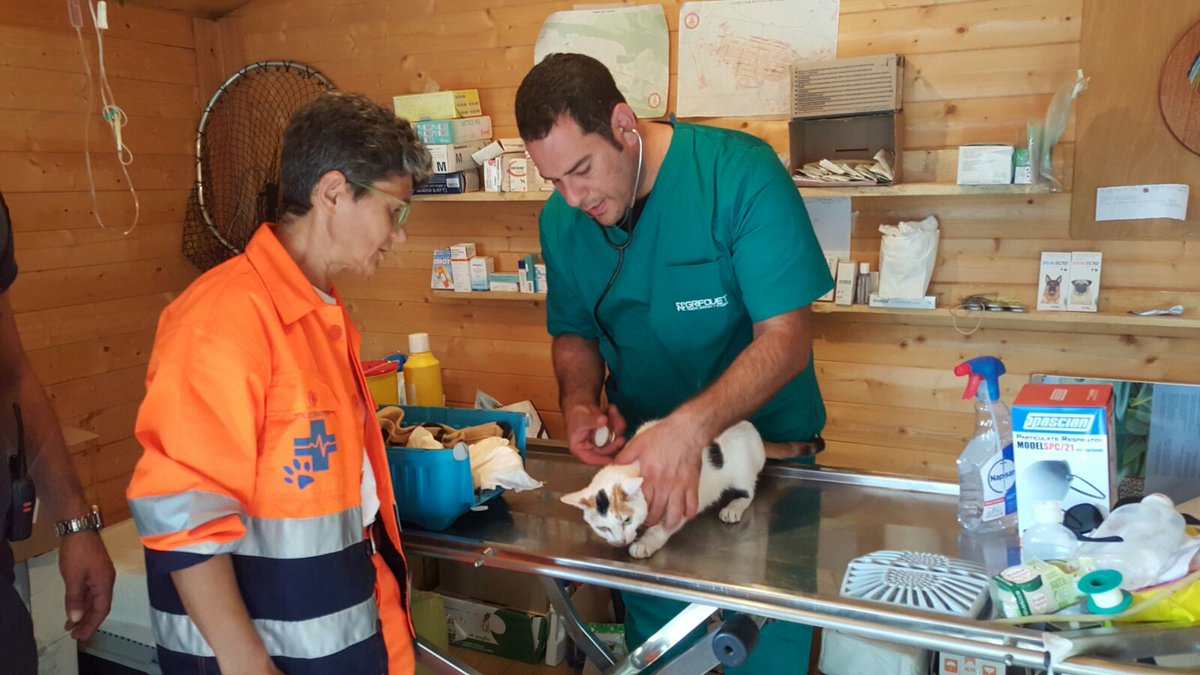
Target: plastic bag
[[907, 255], [1043, 138]]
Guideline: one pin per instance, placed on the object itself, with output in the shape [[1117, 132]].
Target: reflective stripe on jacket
[[253, 429]]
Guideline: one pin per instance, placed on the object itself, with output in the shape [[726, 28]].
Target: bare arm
[[579, 368], [780, 351], [211, 597], [84, 564]]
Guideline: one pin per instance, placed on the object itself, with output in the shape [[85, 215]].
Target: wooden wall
[[977, 71], [87, 299]]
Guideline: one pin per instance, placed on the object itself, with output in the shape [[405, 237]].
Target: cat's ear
[[582, 499], [631, 486]]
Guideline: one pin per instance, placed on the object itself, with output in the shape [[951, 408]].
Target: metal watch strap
[[89, 522]]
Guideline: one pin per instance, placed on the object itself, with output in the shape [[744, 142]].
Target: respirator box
[[1064, 447]]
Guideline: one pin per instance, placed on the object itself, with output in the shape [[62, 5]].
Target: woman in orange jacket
[[263, 498]]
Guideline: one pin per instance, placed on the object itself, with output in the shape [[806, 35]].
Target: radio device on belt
[[24, 495]]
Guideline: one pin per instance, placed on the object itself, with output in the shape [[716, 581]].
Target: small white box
[[503, 282], [539, 278], [516, 174], [464, 251], [441, 270], [847, 275], [832, 261], [1083, 293], [985, 164], [1052, 281], [498, 147], [495, 178], [460, 274], [456, 157], [481, 268], [927, 302]]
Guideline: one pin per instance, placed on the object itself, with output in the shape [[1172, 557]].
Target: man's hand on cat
[[670, 459], [583, 421]]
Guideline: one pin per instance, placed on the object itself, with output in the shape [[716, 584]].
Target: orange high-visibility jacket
[[253, 426]]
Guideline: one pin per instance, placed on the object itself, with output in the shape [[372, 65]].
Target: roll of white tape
[[603, 437]]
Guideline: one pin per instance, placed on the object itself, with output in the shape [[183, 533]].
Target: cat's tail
[[794, 449]]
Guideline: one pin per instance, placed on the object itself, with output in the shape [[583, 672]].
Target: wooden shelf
[[901, 190], [480, 196], [1108, 323], [489, 296], [1102, 323]]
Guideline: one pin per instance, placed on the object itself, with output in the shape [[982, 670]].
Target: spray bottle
[[422, 373], [987, 500]]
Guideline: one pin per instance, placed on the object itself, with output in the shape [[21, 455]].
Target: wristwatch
[[90, 522]]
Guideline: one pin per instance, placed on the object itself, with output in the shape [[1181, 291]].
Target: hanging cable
[[113, 115]]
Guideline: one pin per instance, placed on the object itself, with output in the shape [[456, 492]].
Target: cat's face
[[613, 506]]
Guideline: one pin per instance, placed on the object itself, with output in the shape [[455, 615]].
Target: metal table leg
[[702, 656], [585, 639], [439, 663], [668, 636]]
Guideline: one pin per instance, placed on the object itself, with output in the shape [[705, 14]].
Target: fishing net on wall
[[237, 157]]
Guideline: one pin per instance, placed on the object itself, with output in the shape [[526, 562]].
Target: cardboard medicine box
[[454, 158], [482, 267], [510, 633], [461, 130], [985, 164], [1083, 293], [1064, 447], [438, 105], [1054, 280], [441, 270]]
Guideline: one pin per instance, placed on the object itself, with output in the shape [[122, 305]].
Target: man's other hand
[[88, 575]]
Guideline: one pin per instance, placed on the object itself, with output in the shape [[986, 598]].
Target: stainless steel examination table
[[784, 561]]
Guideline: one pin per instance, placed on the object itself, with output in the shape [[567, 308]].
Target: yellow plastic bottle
[[422, 373]]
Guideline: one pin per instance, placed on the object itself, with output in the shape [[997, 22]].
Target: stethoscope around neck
[[626, 224]]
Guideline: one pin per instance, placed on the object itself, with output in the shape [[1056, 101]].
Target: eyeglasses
[[395, 201]]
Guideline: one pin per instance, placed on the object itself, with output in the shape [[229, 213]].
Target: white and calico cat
[[614, 506]]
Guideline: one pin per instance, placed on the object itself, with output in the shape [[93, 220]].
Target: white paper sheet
[[831, 221], [1138, 202]]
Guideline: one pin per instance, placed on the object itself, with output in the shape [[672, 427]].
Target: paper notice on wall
[[735, 57], [1139, 202], [1173, 459], [831, 220]]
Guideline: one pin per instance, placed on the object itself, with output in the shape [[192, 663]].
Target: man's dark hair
[[571, 84], [345, 132]]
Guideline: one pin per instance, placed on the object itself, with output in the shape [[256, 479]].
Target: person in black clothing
[[83, 561]]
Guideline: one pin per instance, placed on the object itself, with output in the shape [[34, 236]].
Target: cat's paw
[[733, 512], [640, 549]]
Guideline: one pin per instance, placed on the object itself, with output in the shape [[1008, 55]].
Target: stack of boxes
[[451, 126], [459, 268], [508, 168]]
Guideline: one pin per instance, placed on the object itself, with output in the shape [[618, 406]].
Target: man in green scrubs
[[681, 259]]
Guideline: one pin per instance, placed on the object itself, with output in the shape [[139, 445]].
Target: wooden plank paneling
[[978, 71], [126, 59], [87, 299]]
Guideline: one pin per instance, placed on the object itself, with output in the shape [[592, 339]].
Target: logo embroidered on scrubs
[[703, 303], [311, 455]]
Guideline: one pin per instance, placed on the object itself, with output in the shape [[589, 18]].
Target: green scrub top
[[724, 241]]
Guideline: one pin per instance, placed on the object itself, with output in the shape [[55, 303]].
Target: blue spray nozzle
[[979, 370]]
